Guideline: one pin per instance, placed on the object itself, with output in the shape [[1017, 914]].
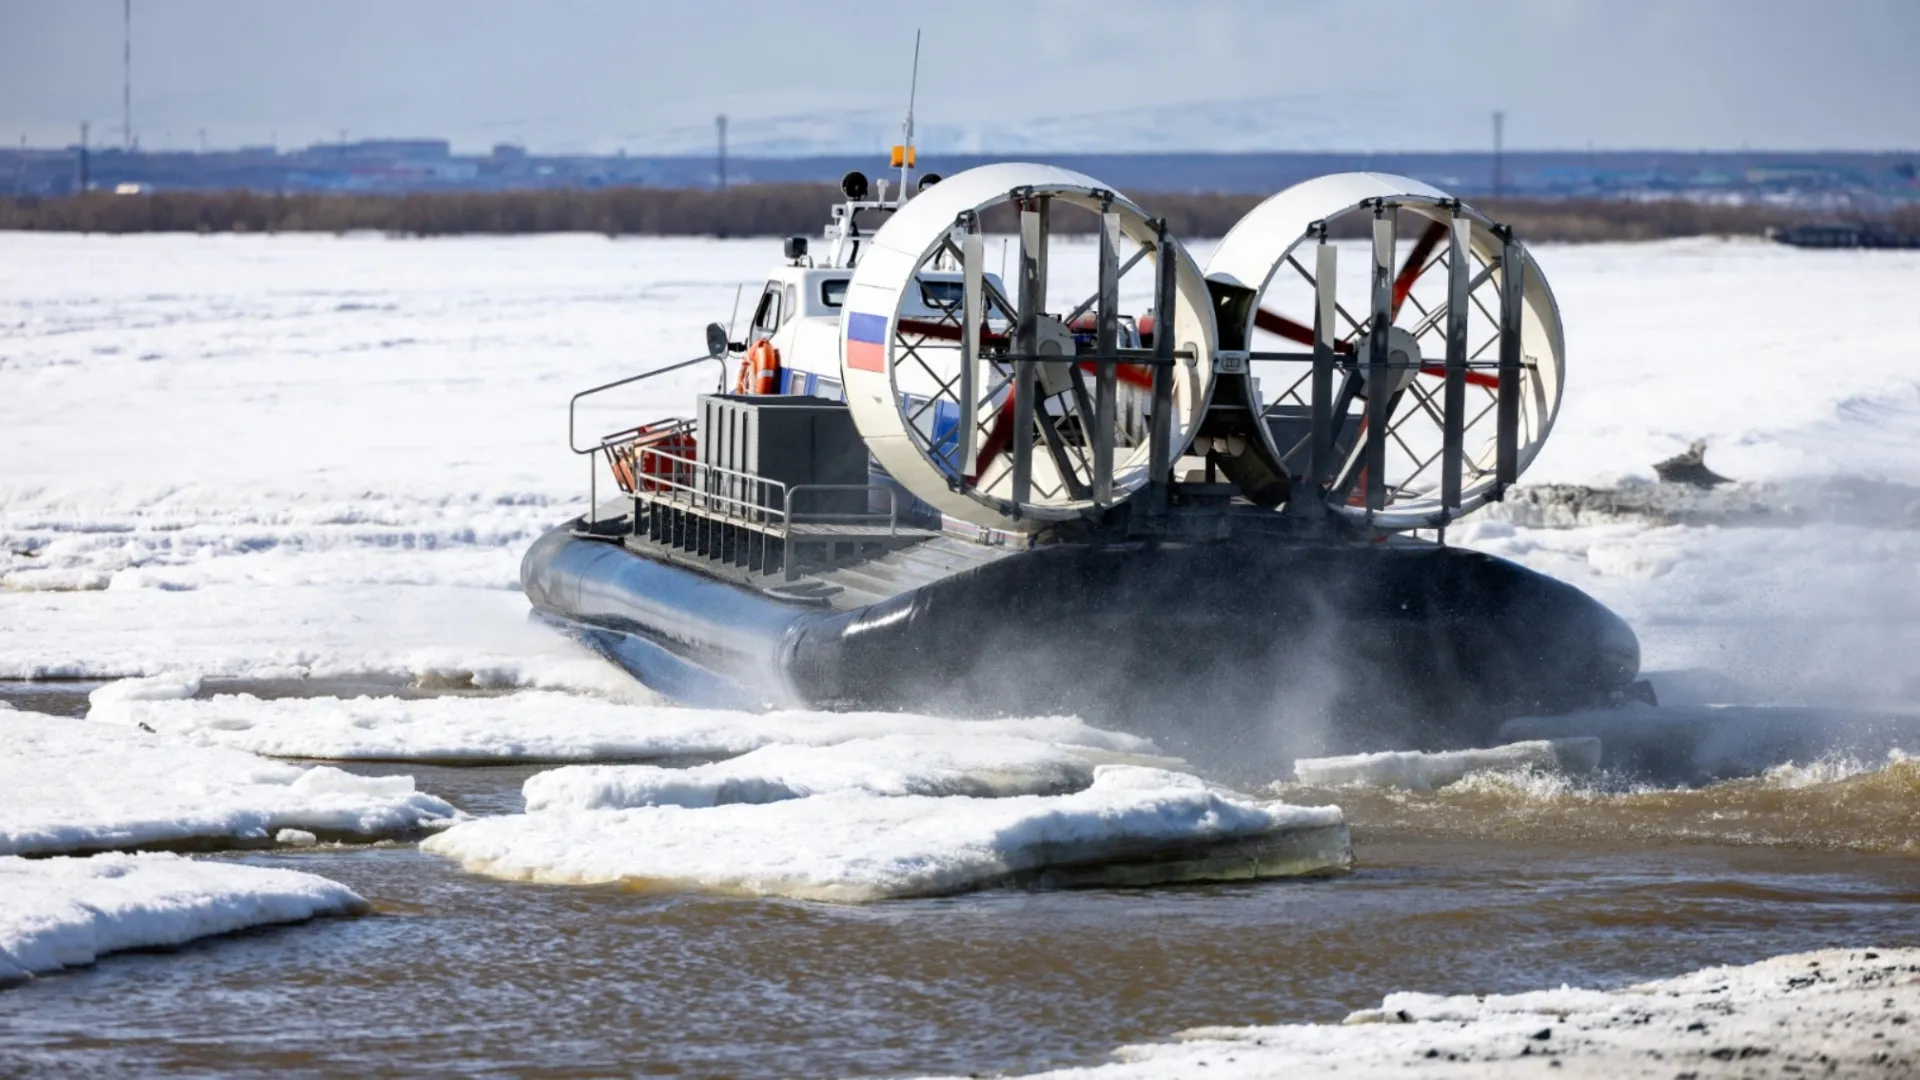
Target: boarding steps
[[907, 568]]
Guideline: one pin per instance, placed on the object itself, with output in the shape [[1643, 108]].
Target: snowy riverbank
[[1833, 1013]]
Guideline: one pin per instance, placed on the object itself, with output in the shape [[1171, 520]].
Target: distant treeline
[[776, 210]]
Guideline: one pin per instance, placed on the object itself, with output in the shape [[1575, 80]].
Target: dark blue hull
[[1215, 648]]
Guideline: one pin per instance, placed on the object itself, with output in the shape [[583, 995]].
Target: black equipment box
[[790, 439]]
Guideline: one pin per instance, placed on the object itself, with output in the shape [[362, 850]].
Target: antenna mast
[[1499, 152], [906, 141], [126, 74]]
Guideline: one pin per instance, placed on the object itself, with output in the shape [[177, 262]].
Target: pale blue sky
[[563, 75]]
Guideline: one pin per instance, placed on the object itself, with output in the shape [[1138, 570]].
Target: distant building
[[397, 150]]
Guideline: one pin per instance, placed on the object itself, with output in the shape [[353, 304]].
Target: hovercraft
[[1206, 504]]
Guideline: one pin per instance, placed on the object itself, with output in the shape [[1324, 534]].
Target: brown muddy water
[[1499, 886]]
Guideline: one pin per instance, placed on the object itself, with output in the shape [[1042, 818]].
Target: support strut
[[1453, 398], [1380, 376], [1326, 276], [1160, 435], [973, 314], [1513, 292], [1106, 340], [1033, 291]]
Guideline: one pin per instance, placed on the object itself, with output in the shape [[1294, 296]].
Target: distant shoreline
[[783, 210]]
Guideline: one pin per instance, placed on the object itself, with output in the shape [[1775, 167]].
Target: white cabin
[[798, 312]]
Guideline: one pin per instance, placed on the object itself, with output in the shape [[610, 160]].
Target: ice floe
[[1831, 1013], [981, 766], [1425, 771], [1133, 825], [75, 785], [65, 912], [535, 726]]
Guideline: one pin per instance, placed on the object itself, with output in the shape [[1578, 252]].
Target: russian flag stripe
[[866, 341]]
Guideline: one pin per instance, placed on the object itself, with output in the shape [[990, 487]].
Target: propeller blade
[[1293, 331], [1416, 262], [1474, 378], [998, 438], [1138, 375], [1279, 324], [944, 331]]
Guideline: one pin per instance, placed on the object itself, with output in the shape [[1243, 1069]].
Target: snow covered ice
[[65, 912], [531, 726], [968, 764], [1423, 771], [1831, 1013], [1133, 825], [75, 785]]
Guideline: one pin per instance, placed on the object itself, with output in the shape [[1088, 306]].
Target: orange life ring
[[759, 370]]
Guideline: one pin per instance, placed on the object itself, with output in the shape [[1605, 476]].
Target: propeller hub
[[1403, 361]]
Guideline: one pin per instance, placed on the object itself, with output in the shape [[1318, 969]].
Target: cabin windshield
[[943, 295], [833, 292]]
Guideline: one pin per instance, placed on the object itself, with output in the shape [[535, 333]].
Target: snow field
[[65, 912], [1819, 614], [306, 456], [271, 632], [529, 726], [1132, 825], [318, 457], [1830, 1013], [77, 786]]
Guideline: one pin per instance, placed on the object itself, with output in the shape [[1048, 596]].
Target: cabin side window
[[766, 317], [792, 307], [833, 292]]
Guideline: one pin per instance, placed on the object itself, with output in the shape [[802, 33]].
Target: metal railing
[[729, 495], [772, 509], [623, 436], [844, 517]]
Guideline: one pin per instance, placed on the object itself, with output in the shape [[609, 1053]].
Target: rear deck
[[839, 565]]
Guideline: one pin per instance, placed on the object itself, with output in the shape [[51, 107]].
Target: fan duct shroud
[[934, 351]]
